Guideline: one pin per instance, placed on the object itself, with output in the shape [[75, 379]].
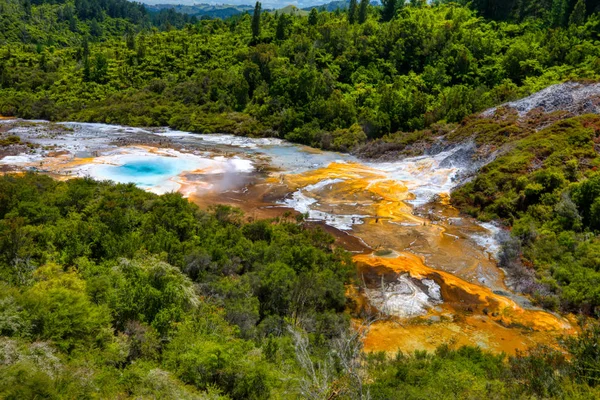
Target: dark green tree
[[282, 22], [95, 28], [499, 10], [256, 20], [130, 38], [313, 17], [558, 12], [87, 75], [100, 69], [352, 11], [72, 24], [85, 48], [363, 10], [44, 62], [578, 15], [27, 7], [389, 10]]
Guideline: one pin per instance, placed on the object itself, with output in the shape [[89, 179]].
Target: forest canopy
[[108, 291], [328, 80]]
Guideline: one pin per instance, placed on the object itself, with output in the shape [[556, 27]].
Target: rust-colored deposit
[[359, 187], [434, 278], [390, 223], [476, 330], [474, 298], [470, 314]]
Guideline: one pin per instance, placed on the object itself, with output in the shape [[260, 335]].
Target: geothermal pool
[[428, 273], [158, 170]]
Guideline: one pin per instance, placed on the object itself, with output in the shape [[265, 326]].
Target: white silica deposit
[[157, 171], [404, 298]]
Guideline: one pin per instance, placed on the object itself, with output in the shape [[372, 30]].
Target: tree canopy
[[299, 78]]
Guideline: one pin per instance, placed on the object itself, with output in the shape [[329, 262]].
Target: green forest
[[330, 80], [108, 291]]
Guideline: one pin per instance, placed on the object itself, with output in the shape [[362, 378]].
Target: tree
[[578, 15], [389, 10], [87, 69], [95, 28], [256, 20], [585, 352], [313, 17], [363, 10], [85, 48], [27, 7], [72, 24], [100, 69], [61, 310], [130, 38], [282, 22], [15, 247], [558, 13], [352, 11]]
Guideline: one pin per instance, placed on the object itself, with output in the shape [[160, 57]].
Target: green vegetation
[[203, 10], [555, 12], [108, 291], [256, 21], [298, 77], [125, 285], [10, 140], [546, 188], [471, 373]]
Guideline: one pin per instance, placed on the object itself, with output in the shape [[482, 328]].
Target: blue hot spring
[[147, 171]]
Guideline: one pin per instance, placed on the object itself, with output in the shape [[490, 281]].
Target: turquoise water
[[147, 171], [138, 170]]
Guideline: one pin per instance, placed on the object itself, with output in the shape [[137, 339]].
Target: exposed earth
[[426, 274]]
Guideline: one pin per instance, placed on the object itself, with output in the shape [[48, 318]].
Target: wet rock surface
[[573, 97]]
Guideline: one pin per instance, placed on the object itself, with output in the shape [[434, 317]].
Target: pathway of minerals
[[428, 273]]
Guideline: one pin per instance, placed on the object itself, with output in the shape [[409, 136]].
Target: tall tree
[[389, 10], [352, 11], [95, 28], [27, 7], [578, 15], [85, 48], [100, 70], [256, 20], [130, 38], [558, 12], [281, 25], [499, 10], [87, 69], [363, 10], [313, 17]]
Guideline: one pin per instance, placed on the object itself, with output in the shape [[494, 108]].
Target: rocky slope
[[575, 98], [493, 132]]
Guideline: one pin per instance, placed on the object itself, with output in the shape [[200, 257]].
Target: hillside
[[476, 272], [292, 10], [530, 160], [204, 10], [317, 86], [331, 6]]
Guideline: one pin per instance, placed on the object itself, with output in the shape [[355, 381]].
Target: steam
[[230, 174]]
